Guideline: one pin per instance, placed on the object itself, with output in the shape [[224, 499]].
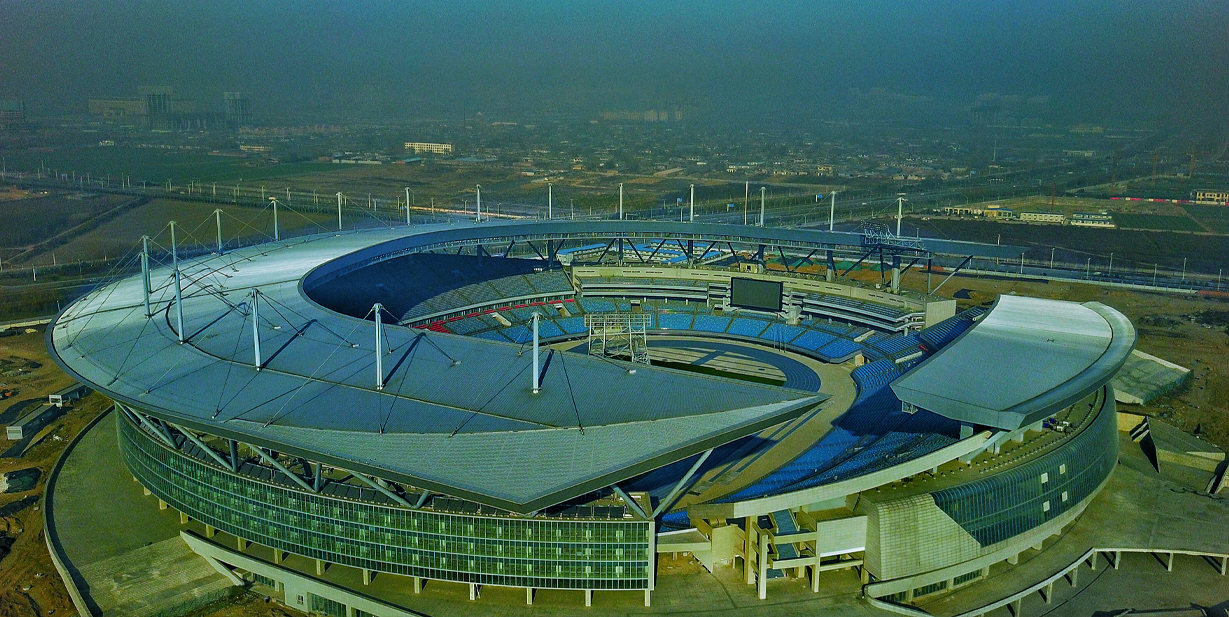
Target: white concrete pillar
[[1038, 546], [161, 505], [473, 591], [647, 597], [1169, 563], [762, 557], [367, 576], [1075, 576], [1224, 565], [278, 556], [588, 597], [1117, 559], [417, 584], [1014, 559], [145, 491], [210, 531], [241, 543], [183, 518], [1092, 561], [320, 567], [1048, 594], [529, 595], [749, 543], [1016, 606]]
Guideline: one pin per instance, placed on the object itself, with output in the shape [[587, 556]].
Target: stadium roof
[[455, 415], [1026, 359]]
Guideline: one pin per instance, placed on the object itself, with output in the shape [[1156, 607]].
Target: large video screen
[[750, 293]]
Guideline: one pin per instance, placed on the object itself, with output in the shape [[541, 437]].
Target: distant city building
[[424, 146], [157, 108], [115, 108], [1043, 217], [1084, 219], [1219, 197], [12, 114], [652, 115], [254, 149], [238, 108]]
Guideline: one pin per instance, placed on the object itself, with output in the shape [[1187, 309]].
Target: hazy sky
[[1154, 59]]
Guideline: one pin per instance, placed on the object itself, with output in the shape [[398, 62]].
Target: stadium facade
[[369, 399]]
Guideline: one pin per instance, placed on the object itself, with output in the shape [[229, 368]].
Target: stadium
[[551, 405]]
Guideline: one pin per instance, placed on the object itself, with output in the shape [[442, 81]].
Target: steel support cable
[[229, 368], [105, 281], [135, 341], [571, 394], [72, 340], [310, 378], [273, 302], [490, 400]]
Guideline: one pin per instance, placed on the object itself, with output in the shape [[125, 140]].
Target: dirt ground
[[29, 584]]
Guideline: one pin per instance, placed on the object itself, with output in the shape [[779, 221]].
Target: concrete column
[[529, 595], [161, 505], [1038, 546], [349, 611], [320, 565], [210, 531], [588, 597], [1117, 559], [815, 572], [1169, 563], [1048, 594], [1016, 606], [417, 584], [749, 544], [830, 275], [367, 576], [1075, 576], [762, 564], [895, 273], [145, 491], [1014, 559], [1224, 565], [866, 575], [1093, 560], [241, 544], [647, 594], [278, 556], [473, 591], [183, 518]]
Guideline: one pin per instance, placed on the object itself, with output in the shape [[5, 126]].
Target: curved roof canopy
[[1025, 360], [455, 415]]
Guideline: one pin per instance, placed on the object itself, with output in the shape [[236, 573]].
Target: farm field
[[1131, 248], [1158, 222]]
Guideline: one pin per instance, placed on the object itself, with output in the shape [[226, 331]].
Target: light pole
[[763, 192], [832, 213], [1184, 269], [621, 200], [338, 210], [746, 200], [550, 201], [900, 209], [692, 217], [1111, 273], [1088, 269], [1051, 258], [479, 202]]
